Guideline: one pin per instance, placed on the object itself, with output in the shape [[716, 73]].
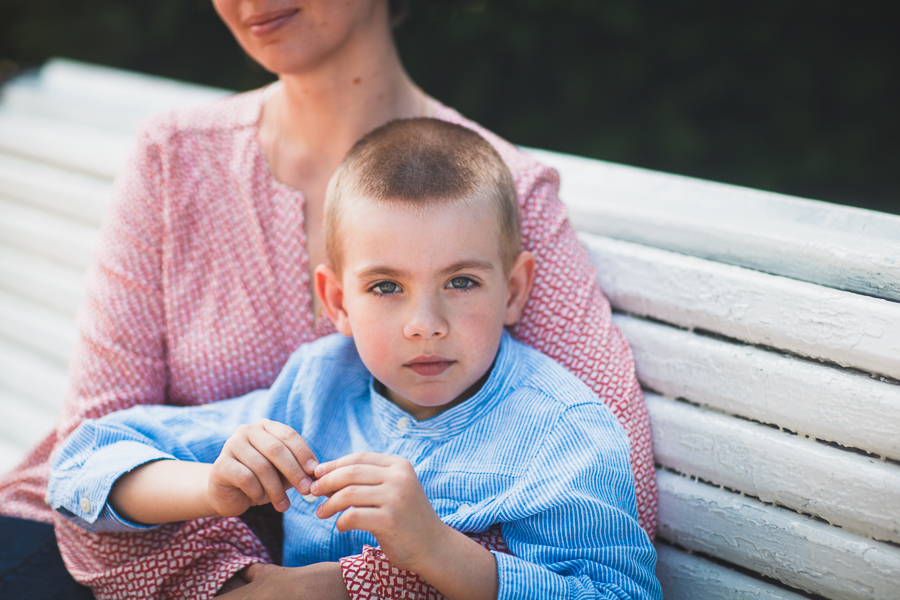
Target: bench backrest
[[766, 332]]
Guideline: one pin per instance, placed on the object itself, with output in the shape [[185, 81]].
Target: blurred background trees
[[793, 96]]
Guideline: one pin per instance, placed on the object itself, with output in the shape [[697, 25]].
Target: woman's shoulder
[[520, 163], [213, 119]]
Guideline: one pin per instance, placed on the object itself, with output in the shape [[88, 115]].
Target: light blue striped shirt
[[533, 450]]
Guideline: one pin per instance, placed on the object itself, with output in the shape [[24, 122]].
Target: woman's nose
[[425, 320]]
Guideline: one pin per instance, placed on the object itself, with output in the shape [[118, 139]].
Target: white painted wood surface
[[65, 130], [806, 397], [778, 543], [69, 145], [686, 576], [100, 97], [848, 329], [57, 191], [835, 246], [45, 234], [858, 493]]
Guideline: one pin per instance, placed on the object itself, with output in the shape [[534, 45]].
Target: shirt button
[[463, 508], [309, 498], [85, 505], [402, 422]]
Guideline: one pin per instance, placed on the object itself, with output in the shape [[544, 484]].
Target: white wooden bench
[[766, 332]]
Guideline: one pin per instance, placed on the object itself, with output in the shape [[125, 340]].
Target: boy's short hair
[[423, 163]]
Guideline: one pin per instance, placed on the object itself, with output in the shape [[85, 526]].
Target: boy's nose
[[425, 321]]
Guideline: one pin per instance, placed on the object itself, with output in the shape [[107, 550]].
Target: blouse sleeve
[[120, 361], [568, 318]]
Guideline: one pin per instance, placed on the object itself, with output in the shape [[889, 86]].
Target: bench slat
[[836, 326], [69, 145], [805, 397], [32, 376], [38, 279], [39, 232], [778, 543], [855, 492], [24, 423], [836, 246], [99, 96], [41, 330], [686, 576], [58, 191]]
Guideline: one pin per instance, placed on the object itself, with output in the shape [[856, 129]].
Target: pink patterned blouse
[[200, 291]]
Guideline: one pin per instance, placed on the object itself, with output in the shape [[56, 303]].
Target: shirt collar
[[395, 422]]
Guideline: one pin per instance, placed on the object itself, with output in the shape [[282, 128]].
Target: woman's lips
[[266, 23], [429, 367]]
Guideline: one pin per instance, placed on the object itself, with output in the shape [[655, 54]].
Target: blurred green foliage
[[794, 96]]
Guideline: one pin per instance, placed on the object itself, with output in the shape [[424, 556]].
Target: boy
[[431, 420]]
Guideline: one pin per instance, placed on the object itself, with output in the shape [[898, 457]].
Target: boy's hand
[[387, 500], [257, 464]]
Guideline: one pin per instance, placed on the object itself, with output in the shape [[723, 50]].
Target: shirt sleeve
[[98, 452], [571, 522], [120, 361], [568, 318]]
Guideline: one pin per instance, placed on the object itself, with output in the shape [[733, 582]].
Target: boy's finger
[[341, 477], [363, 519], [265, 473], [354, 496], [234, 474], [274, 450], [361, 458], [295, 443]]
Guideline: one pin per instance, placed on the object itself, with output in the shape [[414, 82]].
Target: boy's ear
[[521, 276], [331, 295]]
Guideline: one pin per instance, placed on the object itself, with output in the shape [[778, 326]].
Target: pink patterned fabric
[[200, 291], [370, 576]]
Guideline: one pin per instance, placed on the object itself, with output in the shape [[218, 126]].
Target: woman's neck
[[316, 116]]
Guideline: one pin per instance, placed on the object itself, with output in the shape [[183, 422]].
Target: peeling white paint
[[806, 397], [841, 327], [855, 492], [686, 576], [791, 548], [835, 246]]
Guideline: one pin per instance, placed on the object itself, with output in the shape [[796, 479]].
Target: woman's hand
[[387, 500], [257, 464], [321, 581]]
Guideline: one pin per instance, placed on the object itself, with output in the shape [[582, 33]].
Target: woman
[[201, 286]]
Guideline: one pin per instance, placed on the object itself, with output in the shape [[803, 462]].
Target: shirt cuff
[[80, 492]]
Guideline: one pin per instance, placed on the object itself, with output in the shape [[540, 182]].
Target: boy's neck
[[422, 413]]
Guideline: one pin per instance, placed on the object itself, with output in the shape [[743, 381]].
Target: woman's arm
[[120, 360], [568, 318]]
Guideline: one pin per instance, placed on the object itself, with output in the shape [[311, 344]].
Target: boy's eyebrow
[[463, 265]]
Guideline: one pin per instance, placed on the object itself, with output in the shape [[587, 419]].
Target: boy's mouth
[[429, 366]]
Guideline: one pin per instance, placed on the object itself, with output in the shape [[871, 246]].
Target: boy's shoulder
[[336, 349], [537, 371], [552, 398]]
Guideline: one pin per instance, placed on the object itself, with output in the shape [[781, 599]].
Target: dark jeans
[[30, 565]]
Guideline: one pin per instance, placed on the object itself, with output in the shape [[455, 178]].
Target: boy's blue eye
[[386, 287], [461, 283]]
